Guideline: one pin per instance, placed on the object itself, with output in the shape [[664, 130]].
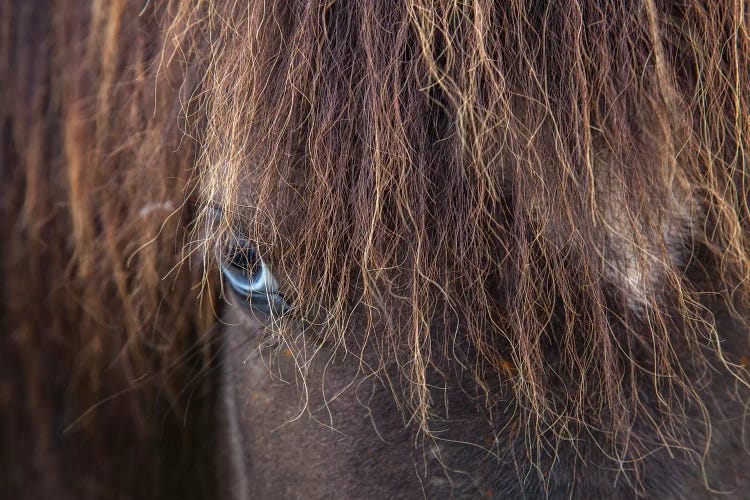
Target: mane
[[549, 198], [103, 335]]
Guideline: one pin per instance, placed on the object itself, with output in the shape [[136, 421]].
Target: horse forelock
[[523, 176]]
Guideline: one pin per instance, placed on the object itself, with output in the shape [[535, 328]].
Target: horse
[[374, 249]]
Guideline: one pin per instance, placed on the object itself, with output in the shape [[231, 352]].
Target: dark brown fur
[[552, 194]]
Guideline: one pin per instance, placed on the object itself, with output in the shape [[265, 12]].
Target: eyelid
[[265, 282], [259, 292]]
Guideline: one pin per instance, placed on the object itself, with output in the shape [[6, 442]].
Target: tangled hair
[[516, 187], [549, 196]]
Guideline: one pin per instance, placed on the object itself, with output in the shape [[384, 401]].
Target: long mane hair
[[549, 197]]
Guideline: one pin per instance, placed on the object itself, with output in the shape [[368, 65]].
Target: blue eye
[[250, 277]]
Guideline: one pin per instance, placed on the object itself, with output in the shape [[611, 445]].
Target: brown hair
[[102, 329], [522, 188]]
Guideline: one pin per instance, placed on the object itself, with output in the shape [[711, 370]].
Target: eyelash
[[251, 279]]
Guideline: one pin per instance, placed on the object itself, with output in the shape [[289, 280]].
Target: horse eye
[[250, 277]]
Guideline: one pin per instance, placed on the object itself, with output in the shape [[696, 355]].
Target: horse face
[[299, 418], [510, 269], [509, 244]]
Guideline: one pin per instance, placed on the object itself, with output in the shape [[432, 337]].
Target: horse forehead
[[640, 247]]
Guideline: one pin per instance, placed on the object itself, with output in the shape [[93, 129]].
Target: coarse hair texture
[[513, 187], [550, 196]]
